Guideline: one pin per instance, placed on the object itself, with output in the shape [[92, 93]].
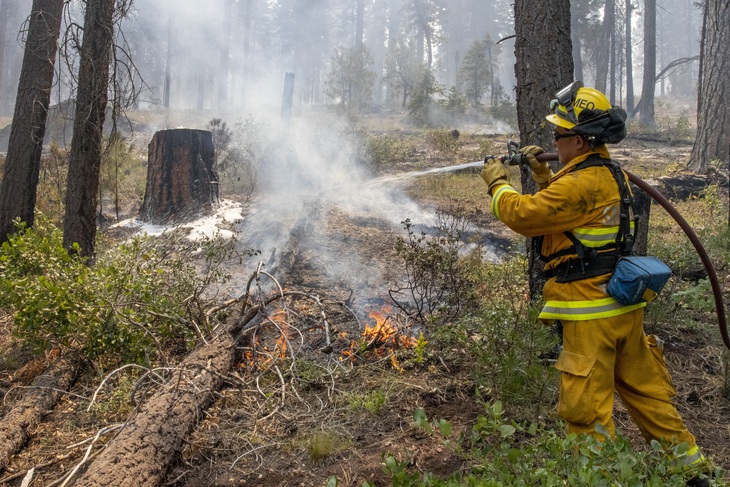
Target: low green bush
[[507, 453], [137, 301], [385, 150]]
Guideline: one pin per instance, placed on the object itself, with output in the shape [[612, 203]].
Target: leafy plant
[[372, 401], [453, 103], [236, 151], [138, 301], [423, 98], [508, 453], [443, 142], [385, 149], [437, 286], [122, 176]]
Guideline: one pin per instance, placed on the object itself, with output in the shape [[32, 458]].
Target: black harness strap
[[591, 262]]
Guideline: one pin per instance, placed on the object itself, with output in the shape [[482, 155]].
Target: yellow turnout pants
[[603, 355]]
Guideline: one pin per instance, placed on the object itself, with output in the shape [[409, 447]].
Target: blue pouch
[[638, 278]]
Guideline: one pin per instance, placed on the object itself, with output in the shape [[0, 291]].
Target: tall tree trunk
[[246, 48], [3, 32], [391, 95], [168, 63], [603, 49], [577, 54], [649, 84], [612, 62], [225, 54], [629, 62], [23, 162], [544, 65], [359, 24], [713, 112], [79, 226], [377, 48]]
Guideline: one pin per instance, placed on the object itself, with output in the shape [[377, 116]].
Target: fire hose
[[514, 158]]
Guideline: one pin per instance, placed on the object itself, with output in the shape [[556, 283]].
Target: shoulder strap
[[624, 238]]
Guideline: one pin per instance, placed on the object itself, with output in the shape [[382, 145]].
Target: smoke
[[317, 207]]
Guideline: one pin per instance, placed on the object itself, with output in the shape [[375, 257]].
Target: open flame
[[383, 332], [258, 356], [271, 340], [382, 337]]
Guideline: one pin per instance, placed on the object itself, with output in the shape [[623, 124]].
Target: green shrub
[[136, 302], [443, 142], [507, 453], [385, 149], [122, 177], [372, 401], [505, 111], [437, 287], [324, 444]]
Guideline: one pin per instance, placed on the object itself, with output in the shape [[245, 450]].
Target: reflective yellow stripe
[[497, 195], [598, 237], [585, 310], [693, 455]]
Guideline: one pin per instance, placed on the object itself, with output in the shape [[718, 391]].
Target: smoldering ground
[[321, 216]]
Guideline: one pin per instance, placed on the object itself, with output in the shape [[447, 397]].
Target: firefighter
[[579, 216]]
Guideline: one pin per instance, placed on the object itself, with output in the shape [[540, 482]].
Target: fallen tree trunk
[[142, 452], [46, 390]]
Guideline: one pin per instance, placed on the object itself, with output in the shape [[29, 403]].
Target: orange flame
[[381, 337]]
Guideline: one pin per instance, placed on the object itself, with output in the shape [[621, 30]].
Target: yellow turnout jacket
[[585, 202]]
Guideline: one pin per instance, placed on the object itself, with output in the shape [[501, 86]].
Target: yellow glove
[[540, 170], [494, 173]]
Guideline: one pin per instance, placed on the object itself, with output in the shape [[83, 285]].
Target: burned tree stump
[[182, 182]]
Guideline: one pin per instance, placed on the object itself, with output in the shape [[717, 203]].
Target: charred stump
[[182, 182]]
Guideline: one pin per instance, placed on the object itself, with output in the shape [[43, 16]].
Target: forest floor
[[345, 414]]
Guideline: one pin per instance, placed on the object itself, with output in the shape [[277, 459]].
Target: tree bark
[[4, 14], [182, 181], [27, 413], [82, 193], [629, 62], [604, 46], [649, 84], [543, 51], [713, 113], [22, 165], [642, 203]]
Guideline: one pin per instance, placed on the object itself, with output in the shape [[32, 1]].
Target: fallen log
[[142, 452], [45, 391]]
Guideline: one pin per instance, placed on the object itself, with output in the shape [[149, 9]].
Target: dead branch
[[144, 448], [87, 454]]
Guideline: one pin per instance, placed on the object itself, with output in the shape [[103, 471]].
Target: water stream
[[413, 174]]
